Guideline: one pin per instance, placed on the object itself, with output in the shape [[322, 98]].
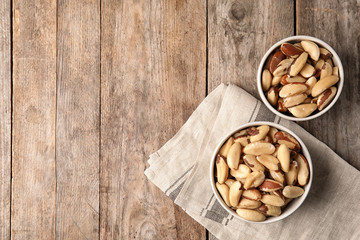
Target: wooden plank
[[337, 23], [5, 119], [239, 34], [78, 116], [153, 77], [34, 110]]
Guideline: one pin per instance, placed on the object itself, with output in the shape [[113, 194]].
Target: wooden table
[[90, 88]]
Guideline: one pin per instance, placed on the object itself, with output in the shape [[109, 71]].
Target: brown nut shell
[[275, 60], [270, 185], [324, 84], [326, 97], [285, 138]]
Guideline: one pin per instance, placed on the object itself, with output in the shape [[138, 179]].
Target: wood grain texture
[[153, 77], [34, 109], [5, 119], [78, 120], [239, 34], [337, 23]]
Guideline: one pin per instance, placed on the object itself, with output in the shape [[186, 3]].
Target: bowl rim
[[299, 201], [337, 62]]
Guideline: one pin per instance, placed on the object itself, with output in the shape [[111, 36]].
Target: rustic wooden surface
[[90, 88], [78, 119], [33, 126], [5, 118]]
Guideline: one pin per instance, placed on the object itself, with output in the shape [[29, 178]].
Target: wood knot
[[237, 12]]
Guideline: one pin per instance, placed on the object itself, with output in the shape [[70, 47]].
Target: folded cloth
[[181, 170]]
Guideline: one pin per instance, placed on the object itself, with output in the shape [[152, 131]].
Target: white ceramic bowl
[[294, 204], [320, 43]]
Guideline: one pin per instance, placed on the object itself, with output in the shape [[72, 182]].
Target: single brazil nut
[[266, 80], [270, 185], [290, 50], [298, 64], [222, 169], [226, 147], [307, 71], [251, 215], [325, 54], [284, 157], [311, 48], [229, 182], [278, 176], [281, 107], [285, 138], [260, 134], [291, 175], [326, 70], [235, 193], [233, 157], [272, 96], [294, 100], [254, 180], [283, 67], [324, 84], [272, 200], [292, 89], [270, 210], [325, 98], [258, 148], [251, 162], [240, 133], [248, 204], [242, 172], [275, 60], [286, 79], [310, 83], [302, 110], [224, 192], [292, 191], [269, 161], [252, 194], [275, 81], [303, 170]]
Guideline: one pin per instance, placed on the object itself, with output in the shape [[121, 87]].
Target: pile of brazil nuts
[[299, 78], [259, 170]]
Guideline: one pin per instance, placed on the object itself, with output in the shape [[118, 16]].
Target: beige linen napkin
[[181, 169]]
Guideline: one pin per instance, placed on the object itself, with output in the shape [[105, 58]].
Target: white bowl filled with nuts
[[261, 172], [300, 78]]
